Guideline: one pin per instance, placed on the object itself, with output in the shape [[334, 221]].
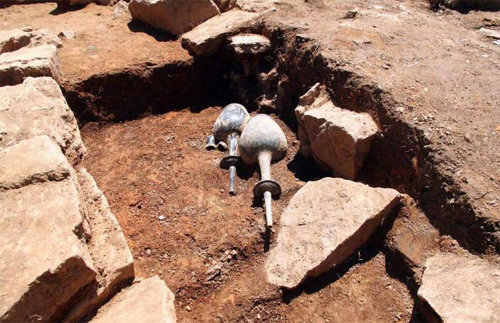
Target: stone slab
[[206, 38], [250, 44], [257, 5], [108, 248], [324, 223], [37, 107], [14, 39], [149, 300], [11, 40], [337, 139], [173, 16], [28, 61], [460, 288], [45, 261], [33, 160]]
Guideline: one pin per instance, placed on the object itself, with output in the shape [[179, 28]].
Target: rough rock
[[44, 259], [250, 44], [149, 300], [37, 159], [11, 40], [460, 288], [206, 38], [173, 16], [337, 139], [37, 107], [44, 37], [28, 61], [121, 11], [351, 14], [324, 223], [14, 39], [495, 34], [66, 34], [412, 239], [108, 248]]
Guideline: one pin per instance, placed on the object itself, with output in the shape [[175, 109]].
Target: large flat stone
[[108, 248], [324, 223], [45, 261], [173, 16], [206, 38], [337, 139], [149, 300], [460, 288], [28, 61], [37, 107], [37, 159]]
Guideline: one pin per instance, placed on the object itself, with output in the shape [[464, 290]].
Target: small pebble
[[351, 14]]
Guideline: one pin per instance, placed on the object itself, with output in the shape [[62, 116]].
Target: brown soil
[[439, 76], [170, 196], [102, 44]]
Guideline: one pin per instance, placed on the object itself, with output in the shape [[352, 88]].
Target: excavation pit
[[145, 107], [171, 199], [145, 130]]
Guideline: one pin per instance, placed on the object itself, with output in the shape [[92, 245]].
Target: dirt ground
[[171, 199], [105, 41]]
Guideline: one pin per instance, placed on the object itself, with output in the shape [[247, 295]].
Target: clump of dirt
[[171, 199]]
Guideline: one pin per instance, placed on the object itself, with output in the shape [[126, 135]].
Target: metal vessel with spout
[[227, 129], [263, 141]]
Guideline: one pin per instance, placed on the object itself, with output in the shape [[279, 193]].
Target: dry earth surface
[[103, 41]]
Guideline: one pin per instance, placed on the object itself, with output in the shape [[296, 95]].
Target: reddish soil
[[170, 196]]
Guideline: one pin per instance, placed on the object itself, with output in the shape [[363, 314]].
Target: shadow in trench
[[315, 284], [159, 35], [305, 169]]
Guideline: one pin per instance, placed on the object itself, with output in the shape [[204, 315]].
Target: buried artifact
[[263, 141], [227, 129]]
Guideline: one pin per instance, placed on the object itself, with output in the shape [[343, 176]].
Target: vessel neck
[[265, 164]]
